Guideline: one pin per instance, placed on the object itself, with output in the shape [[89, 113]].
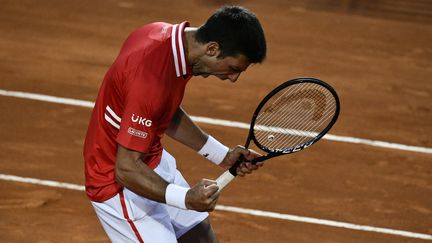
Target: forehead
[[240, 61]]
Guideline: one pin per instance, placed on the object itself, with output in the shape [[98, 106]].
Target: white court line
[[253, 212], [219, 122]]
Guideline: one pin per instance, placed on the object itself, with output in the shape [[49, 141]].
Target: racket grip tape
[[229, 175], [224, 179]]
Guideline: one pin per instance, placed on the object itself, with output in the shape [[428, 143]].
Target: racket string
[[274, 105], [306, 135], [282, 124], [287, 131], [277, 124], [310, 128], [269, 114], [298, 136], [290, 137], [294, 110], [281, 120]]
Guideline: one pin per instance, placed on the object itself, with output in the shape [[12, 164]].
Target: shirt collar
[[178, 49]]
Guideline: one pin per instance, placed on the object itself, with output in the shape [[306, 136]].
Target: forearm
[[133, 173], [185, 131]]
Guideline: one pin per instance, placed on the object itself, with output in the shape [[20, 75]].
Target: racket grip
[[224, 179]]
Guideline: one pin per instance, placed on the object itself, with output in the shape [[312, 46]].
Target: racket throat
[[264, 157], [233, 169]]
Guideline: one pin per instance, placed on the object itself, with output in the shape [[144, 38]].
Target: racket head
[[293, 116]]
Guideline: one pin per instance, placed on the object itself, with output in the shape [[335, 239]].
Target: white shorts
[[128, 217]]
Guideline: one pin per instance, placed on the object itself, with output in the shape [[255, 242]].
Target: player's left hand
[[245, 167]]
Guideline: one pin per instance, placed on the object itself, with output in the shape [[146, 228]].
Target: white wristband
[[176, 196], [213, 150]]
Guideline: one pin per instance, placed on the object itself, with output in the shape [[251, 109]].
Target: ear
[[212, 48]]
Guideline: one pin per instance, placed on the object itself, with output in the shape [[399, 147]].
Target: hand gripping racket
[[290, 118]]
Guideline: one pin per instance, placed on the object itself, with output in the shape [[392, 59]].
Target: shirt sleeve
[[138, 127]]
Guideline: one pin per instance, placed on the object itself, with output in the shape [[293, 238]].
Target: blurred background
[[377, 55]]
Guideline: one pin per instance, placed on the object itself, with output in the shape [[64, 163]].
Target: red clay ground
[[378, 57]]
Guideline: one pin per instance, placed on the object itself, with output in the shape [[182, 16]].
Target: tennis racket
[[290, 118]]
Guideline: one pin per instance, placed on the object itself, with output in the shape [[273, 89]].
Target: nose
[[234, 76]]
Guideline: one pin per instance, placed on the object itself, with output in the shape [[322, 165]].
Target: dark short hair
[[237, 31]]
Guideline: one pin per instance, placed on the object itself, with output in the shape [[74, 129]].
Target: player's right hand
[[203, 196]]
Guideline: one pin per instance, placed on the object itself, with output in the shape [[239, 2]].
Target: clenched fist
[[203, 196]]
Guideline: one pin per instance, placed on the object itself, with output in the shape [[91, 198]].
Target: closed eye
[[235, 70]]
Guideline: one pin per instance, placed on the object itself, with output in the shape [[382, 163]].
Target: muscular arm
[[185, 131], [133, 173]]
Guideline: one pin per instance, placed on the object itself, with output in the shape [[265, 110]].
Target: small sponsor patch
[[137, 133]]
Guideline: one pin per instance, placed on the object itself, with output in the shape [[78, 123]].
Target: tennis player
[[132, 182]]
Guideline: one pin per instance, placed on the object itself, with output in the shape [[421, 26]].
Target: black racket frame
[[273, 153]]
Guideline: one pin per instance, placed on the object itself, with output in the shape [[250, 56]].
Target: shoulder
[[146, 45], [153, 32]]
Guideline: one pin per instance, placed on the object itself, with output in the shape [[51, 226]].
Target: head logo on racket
[[292, 117]]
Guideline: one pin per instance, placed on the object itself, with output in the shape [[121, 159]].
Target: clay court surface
[[377, 56]]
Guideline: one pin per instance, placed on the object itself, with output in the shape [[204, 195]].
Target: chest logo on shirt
[[141, 120]]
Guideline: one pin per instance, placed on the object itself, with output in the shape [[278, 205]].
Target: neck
[[192, 47]]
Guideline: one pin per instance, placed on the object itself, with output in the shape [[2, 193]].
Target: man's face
[[229, 67]]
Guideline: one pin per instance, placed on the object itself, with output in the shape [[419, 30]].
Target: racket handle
[[224, 179]]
